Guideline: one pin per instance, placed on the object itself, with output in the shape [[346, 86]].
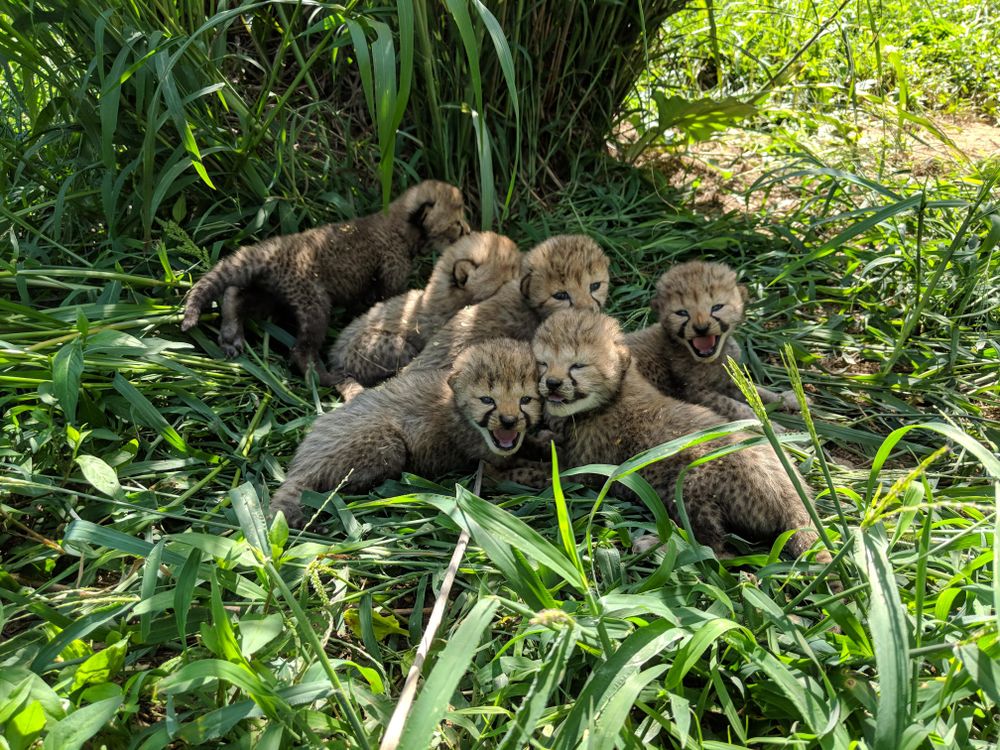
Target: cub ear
[[654, 306], [526, 284], [461, 271], [419, 214], [744, 293], [452, 377]]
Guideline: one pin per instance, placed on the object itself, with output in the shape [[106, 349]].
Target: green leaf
[[546, 681], [437, 691], [608, 722], [890, 637], [25, 725], [150, 576], [228, 648], [184, 592], [103, 666], [984, 670], [251, 517], [67, 367], [691, 652], [72, 732], [256, 631], [101, 476], [44, 659], [146, 414], [565, 524], [608, 678]]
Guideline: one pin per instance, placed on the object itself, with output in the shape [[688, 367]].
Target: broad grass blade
[[436, 695]]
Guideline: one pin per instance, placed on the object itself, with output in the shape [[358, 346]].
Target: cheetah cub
[[378, 344], [699, 305], [607, 413], [428, 423], [352, 263], [564, 272]]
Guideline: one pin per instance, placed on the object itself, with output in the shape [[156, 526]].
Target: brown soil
[[721, 173]]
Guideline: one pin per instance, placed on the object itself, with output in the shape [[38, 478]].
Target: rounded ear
[[744, 293], [461, 271], [526, 284], [654, 306], [419, 214], [452, 377]]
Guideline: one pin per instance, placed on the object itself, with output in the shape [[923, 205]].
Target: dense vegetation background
[[837, 153]]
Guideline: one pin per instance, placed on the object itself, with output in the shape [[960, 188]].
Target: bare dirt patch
[[740, 170]]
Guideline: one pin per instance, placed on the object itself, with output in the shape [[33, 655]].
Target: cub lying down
[[376, 345], [351, 263], [699, 306], [568, 271], [428, 423], [607, 413]]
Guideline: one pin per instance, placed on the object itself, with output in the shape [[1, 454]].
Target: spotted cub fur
[[563, 272], [699, 306], [378, 344], [608, 413], [349, 264], [428, 423]]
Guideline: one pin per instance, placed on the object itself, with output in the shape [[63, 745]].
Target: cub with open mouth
[[429, 423], [699, 306], [606, 412]]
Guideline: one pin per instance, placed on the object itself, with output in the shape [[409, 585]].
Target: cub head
[[495, 387], [437, 209], [475, 267], [699, 304], [582, 358], [566, 271]]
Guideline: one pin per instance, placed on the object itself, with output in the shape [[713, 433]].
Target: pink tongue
[[704, 344], [505, 438]]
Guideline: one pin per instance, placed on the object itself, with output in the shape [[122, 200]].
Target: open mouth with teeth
[[505, 440], [704, 346]]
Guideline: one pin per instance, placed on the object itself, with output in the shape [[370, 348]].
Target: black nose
[[508, 421], [700, 330], [553, 383]]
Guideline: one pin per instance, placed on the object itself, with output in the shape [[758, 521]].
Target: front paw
[[232, 349]]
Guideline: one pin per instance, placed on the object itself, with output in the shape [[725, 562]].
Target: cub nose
[[552, 383], [701, 330], [507, 420]]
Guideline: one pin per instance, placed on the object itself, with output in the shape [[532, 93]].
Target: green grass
[[143, 602]]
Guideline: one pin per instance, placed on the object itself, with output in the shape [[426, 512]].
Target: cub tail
[[238, 270]]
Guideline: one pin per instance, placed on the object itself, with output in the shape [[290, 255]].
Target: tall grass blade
[[434, 699]]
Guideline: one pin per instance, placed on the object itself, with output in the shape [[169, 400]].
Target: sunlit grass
[[144, 603]]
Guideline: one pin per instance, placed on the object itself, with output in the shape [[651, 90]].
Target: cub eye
[[487, 400], [577, 366], [595, 286], [561, 296], [525, 400], [716, 308], [682, 313]]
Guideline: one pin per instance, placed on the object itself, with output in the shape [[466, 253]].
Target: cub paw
[[232, 349]]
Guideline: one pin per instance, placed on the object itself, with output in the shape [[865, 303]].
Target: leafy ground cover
[[146, 604]]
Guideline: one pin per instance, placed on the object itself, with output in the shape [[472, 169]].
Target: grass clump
[[144, 602]]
